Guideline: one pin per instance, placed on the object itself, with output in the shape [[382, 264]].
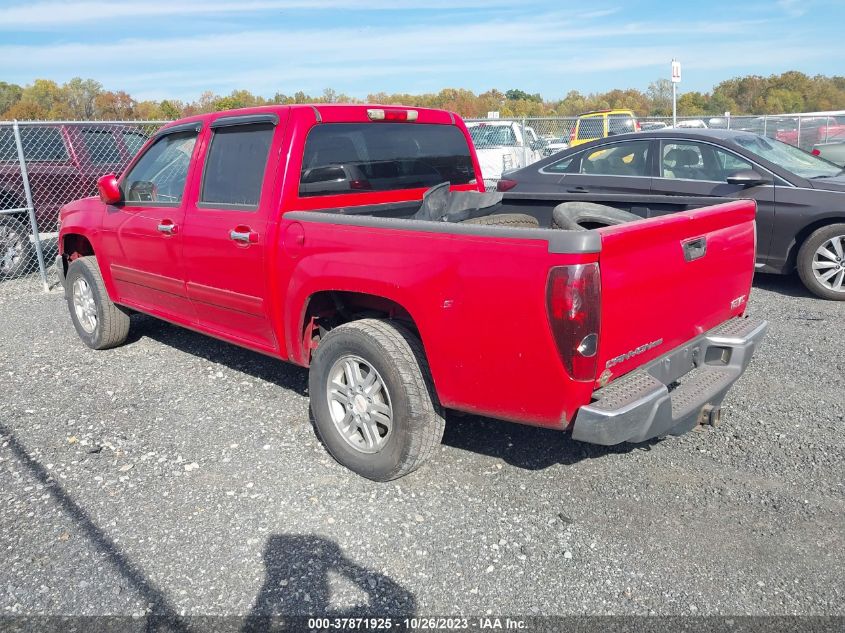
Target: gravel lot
[[180, 475]]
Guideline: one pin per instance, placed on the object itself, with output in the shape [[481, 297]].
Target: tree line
[[86, 99]]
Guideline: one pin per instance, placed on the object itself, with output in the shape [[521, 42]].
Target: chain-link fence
[[43, 166], [507, 144]]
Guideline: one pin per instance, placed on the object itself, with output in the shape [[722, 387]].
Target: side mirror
[[109, 189], [537, 145], [746, 178]]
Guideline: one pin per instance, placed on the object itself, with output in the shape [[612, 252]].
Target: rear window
[[101, 147], [360, 157], [620, 124]]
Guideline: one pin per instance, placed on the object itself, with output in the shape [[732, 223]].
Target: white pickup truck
[[501, 146]]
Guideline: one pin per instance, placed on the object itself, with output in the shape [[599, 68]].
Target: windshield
[[791, 158]]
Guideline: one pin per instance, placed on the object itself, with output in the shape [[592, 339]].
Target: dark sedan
[[800, 198]]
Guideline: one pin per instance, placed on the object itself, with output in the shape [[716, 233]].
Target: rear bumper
[[648, 402]]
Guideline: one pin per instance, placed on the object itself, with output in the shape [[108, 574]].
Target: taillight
[[572, 134], [573, 296], [637, 126], [384, 114], [505, 185], [816, 152], [360, 184]]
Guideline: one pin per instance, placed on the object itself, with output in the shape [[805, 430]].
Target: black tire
[[112, 321], [397, 356], [808, 253], [506, 219], [572, 216], [17, 252]]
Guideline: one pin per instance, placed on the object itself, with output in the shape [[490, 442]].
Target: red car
[[403, 303]]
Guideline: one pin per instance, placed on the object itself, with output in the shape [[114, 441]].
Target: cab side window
[[699, 161], [234, 169], [159, 176]]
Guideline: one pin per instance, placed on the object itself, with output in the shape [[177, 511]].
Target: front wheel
[[99, 322], [821, 262], [373, 399], [16, 248]]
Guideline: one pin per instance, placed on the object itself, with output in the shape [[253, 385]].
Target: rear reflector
[[816, 152], [573, 300], [379, 114], [505, 185]]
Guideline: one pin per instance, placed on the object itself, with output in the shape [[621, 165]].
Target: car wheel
[[99, 322], [373, 400], [16, 249], [581, 216], [506, 219], [821, 262]]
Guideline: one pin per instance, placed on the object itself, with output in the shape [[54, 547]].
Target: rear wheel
[[373, 399], [100, 323], [821, 262], [16, 249]]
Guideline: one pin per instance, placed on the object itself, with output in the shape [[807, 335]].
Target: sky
[[176, 49]]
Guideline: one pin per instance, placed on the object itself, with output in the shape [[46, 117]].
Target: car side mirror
[[109, 189], [746, 178], [537, 145]]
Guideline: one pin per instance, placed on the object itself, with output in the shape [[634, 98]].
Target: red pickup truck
[[311, 233]]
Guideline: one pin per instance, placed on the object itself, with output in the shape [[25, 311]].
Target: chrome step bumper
[[670, 394]]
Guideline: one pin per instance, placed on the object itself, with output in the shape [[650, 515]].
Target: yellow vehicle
[[601, 123]]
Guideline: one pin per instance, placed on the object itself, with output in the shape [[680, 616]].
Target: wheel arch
[[73, 246], [805, 232], [324, 310]]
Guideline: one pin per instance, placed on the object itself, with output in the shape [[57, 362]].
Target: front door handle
[[243, 235], [578, 190], [167, 227]]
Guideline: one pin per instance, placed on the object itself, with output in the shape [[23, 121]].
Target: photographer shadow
[[297, 584], [524, 446]]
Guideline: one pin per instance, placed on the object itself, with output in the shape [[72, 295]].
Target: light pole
[[676, 79]]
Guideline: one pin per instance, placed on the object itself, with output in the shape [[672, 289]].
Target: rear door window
[[40, 144], [101, 146], [619, 159], [43, 144], [362, 157], [234, 169]]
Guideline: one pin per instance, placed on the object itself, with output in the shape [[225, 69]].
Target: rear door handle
[[578, 190], [243, 235], [167, 227]]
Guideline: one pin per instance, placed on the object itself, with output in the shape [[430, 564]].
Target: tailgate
[[666, 280]]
